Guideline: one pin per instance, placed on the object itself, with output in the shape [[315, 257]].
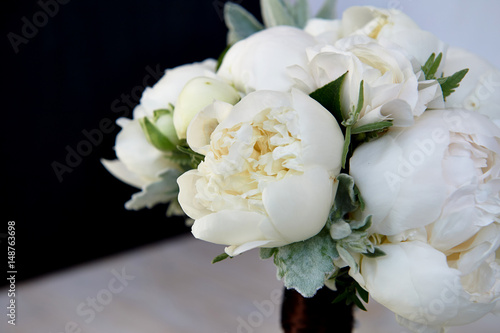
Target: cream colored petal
[[298, 206]]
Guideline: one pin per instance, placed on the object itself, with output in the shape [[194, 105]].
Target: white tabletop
[[171, 287]]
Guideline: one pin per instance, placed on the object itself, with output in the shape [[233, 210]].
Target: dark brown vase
[[316, 314]]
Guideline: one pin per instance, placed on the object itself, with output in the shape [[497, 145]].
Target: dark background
[[71, 64]]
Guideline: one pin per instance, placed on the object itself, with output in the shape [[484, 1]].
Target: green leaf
[[240, 22], [327, 11], [340, 229], [345, 199], [304, 266], [365, 296], [299, 12], [154, 136], [347, 144], [362, 225], [267, 252], [354, 115], [359, 198], [275, 12], [431, 66], [221, 57], [450, 83], [358, 303], [220, 257], [329, 96], [348, 290], [373, 127], [164, 190]]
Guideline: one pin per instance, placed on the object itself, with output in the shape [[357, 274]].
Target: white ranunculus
[[260, 61], [391, 86], [168, 88], [196, 95], [480, 89], [268, 177], [434, 190]]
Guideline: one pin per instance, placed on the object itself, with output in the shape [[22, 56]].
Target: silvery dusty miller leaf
[[162, 191], [240, 22], [304, 266]]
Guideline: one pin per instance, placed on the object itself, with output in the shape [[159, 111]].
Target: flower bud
[[196, 95]]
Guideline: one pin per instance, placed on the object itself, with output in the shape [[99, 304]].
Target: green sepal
[[329, 97], [186, 157], [221, 257], [450, 83], [154, 136], [161, 112]]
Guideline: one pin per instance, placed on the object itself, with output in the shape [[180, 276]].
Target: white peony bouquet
[[360, 153]]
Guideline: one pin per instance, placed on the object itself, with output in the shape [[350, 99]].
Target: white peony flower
[[268, 177], [260, 61], [394, 26], [434, 190], [138, 162], [391, 86], [480, 89]]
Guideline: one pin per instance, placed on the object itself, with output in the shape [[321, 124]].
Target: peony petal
[[118, 169], [187, 195], [138, 155], [250, 66], [478, 91], [414, 281], [232, 227], [204, 123], [390, 170], [321, 137], [298, 206]]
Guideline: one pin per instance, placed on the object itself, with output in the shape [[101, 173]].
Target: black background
[[61, 82]]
